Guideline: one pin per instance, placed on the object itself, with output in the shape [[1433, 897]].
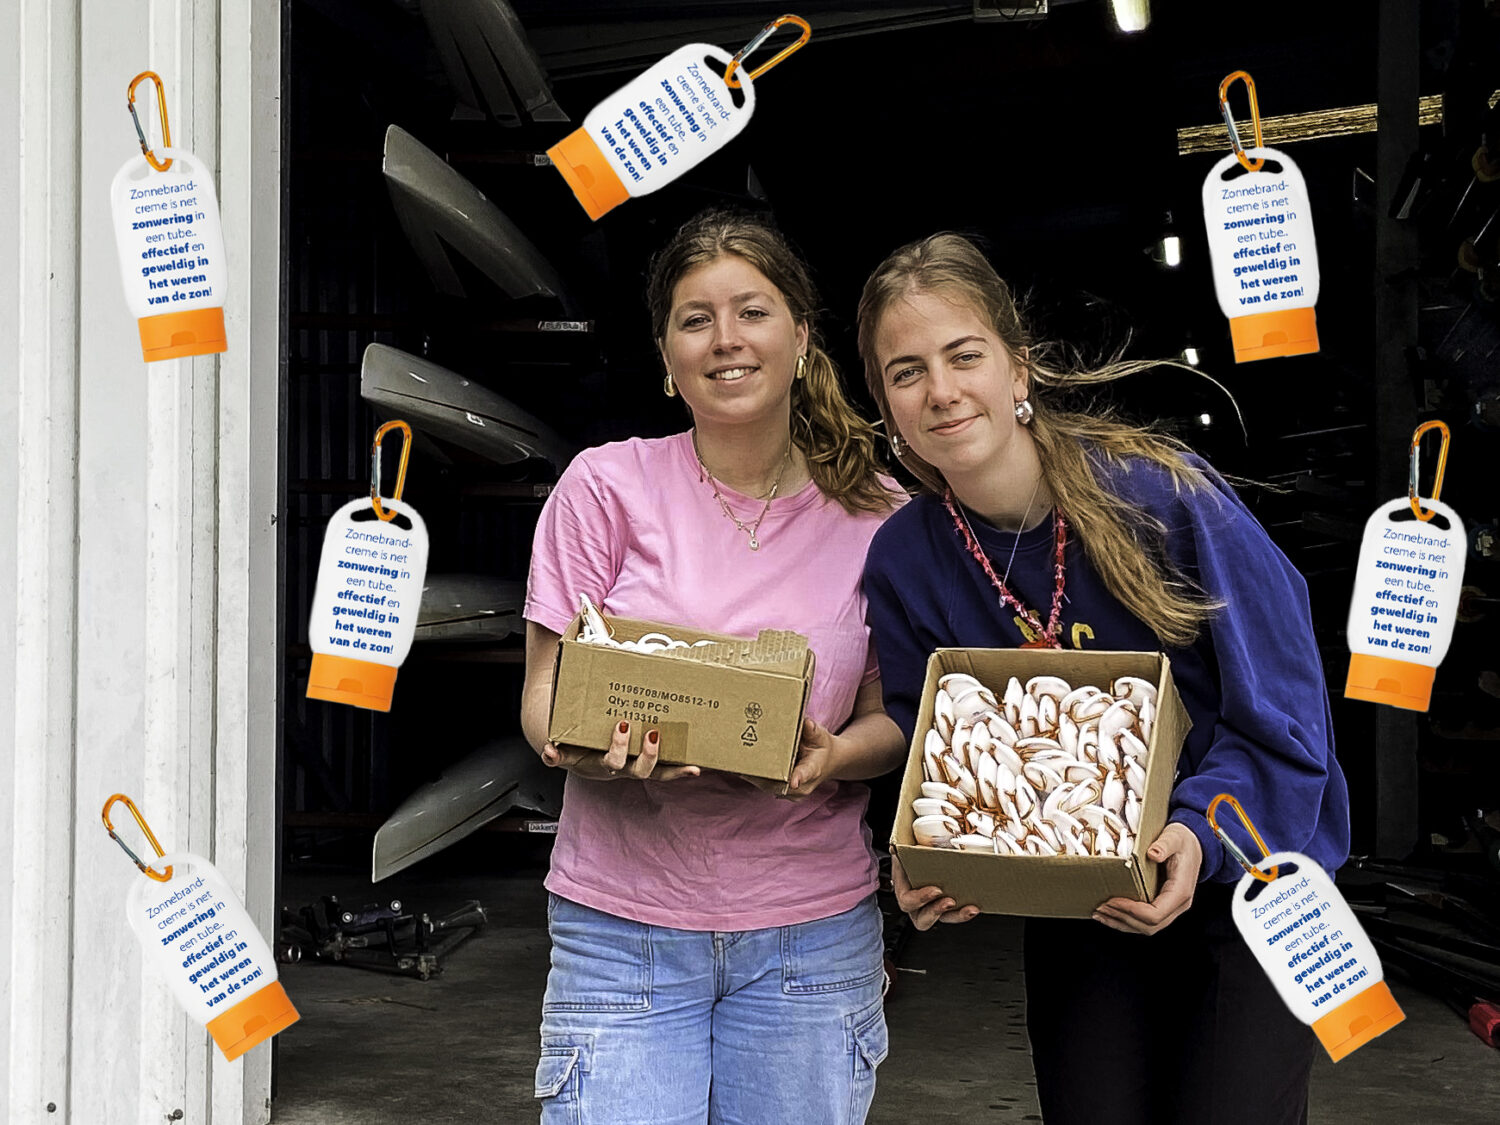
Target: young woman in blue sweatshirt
[[1101, 535]]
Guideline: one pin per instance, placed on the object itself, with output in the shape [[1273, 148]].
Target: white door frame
[[138, 558]]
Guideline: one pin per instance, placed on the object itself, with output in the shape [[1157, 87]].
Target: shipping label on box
[[1054, 886], [734, 705]]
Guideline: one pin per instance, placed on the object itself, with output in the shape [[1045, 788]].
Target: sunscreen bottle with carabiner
[[1309, 943], [662, 123], [1261, 244], [1407, 585], [370, 578], [193, 929], [171, 245]]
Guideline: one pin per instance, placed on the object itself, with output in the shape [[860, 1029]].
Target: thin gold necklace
[[964, 515], [754, 527]]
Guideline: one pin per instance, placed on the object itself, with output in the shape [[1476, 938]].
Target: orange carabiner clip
[[146, 828], [1231, 847], [400, 472], [760, 37], [1416, 454], [1234, 134], [161, 105]]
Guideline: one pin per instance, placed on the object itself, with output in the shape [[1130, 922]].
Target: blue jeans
[[647, 1025]]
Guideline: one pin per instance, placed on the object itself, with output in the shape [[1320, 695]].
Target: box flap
[[773, 650]]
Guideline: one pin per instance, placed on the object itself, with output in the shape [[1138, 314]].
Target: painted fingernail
[[653, 737], [624, 727]]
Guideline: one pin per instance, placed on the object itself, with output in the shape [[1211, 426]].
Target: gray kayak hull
[[444, 404], [470, 607], [441, 212], [498, 777]]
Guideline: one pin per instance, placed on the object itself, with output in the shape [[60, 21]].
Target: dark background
[[1054, 140]]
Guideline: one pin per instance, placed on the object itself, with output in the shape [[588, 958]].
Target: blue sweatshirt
[[1252, 682]]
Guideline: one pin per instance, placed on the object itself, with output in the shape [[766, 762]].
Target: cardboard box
[[736, 705], [1064, 886]]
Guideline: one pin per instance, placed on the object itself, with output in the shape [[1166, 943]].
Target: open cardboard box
[[1063, 886], [736, 705]]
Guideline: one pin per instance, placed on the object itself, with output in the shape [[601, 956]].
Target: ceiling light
[[1171, 250], [1131, 15], [1191, 356], [1205, 420]]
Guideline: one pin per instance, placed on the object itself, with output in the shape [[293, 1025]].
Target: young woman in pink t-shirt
[[716, 949]]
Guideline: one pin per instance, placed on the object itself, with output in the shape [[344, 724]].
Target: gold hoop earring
[[801, 366], [667, 388]]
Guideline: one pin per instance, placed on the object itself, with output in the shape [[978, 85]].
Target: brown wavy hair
[[1125, 546], [840, 446]]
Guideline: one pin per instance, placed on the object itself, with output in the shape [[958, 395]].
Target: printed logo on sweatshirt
[[1078, 633]]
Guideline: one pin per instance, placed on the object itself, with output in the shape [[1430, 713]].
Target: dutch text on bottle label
[[197, 933], [370, 581], [1407, 583], [670, 118], [168, 233], [193, 920], [1305, 936], [1260, 237]]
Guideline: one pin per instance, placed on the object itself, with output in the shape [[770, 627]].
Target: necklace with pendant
[[1046, 637], [753, 528]]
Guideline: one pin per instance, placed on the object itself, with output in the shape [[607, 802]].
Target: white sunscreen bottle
[[1316, 953], [1407, 585], [1261, 245], [193, 929], [664, 122], [1308, 941], [369, 591], [203, 942], [171, 247]]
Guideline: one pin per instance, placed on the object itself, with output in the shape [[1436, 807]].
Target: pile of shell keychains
[[1048, 770], [596, 632]]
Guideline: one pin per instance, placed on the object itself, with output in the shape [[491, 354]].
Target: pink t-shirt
[[635, 526]]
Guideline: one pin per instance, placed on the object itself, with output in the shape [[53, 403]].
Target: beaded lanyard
[[1048, 637]]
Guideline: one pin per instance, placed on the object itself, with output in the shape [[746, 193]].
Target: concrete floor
[[373, 1049]]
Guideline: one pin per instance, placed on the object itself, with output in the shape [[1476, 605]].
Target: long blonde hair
[[840, 446], [1125, 546]]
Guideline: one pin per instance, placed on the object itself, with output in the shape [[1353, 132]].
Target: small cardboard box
[[1063, 886], [735, 705]]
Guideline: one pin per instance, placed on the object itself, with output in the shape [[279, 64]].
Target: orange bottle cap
[[253, 1020], [176, 334], [1270, 334], [1358, 1020], [359, 683], [588, 173], [1379, 679]]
